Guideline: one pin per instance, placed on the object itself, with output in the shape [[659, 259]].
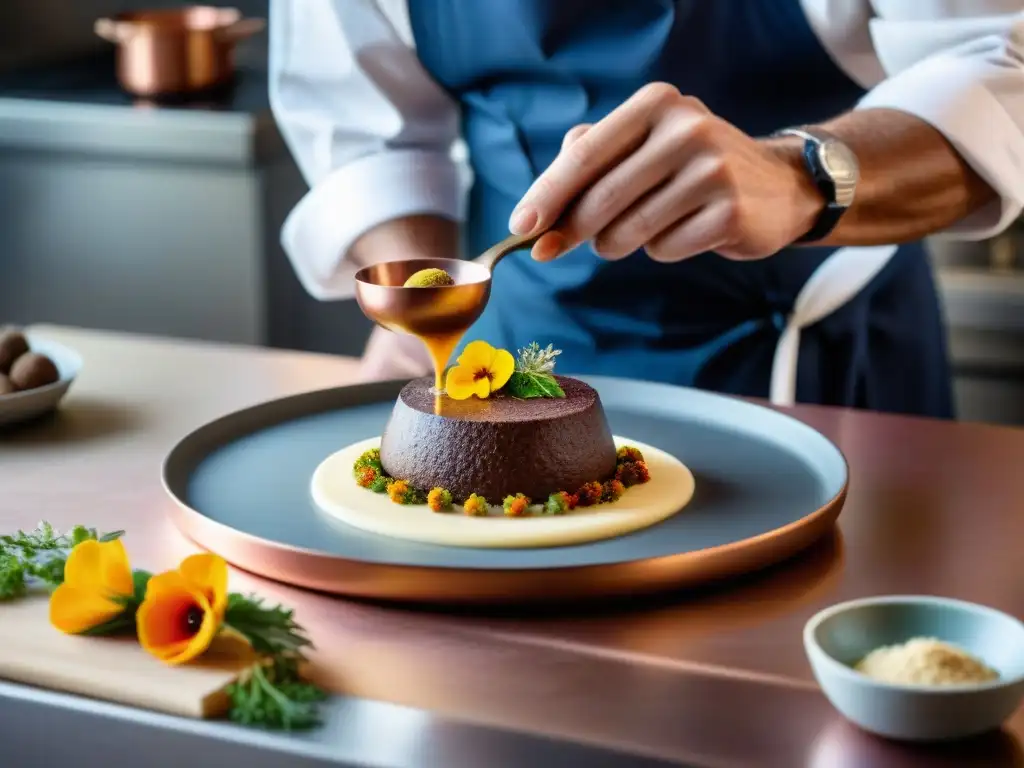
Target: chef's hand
[[661, 172]]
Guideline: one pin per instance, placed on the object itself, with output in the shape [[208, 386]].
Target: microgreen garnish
[[533, 373]]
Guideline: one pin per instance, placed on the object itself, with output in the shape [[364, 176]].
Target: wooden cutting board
[[114, 669]]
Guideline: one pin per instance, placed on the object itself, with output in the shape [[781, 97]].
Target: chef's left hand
[[661, 172]]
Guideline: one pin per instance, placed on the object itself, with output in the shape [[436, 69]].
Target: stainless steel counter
[[162, 219], [78, 107], [357, 733]]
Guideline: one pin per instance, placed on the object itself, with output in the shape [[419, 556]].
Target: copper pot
[[176, 52]]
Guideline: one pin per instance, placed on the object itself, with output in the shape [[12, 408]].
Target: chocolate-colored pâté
[[501, 445]]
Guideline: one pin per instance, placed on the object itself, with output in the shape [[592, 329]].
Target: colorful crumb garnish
[[476, 505], [557, 503], [369, 458], [612, 490], [397, 491], [630, 470], [631, 473], [381, 483], [365, 476], [628, 453], [439, 500], [516, 506], [401, 492], [589, 494]]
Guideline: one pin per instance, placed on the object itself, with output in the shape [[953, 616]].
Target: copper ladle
[[438, 315]]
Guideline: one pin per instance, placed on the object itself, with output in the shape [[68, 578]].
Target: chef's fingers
[[658, 210], [705, 230], [588, 158], [668, 149]]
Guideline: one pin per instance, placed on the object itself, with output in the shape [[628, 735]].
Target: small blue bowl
[[838, 637]]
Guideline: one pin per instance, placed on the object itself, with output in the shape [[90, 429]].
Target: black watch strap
[[833, 211], [825, 223]]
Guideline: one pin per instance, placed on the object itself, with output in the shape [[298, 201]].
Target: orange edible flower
[[184, 609], [98, 587], [480, 370]]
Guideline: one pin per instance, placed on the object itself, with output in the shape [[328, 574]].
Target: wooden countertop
[[718, 678]]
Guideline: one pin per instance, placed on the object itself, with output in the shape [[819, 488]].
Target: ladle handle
[[510, 244]]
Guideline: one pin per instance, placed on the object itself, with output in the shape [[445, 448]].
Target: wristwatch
[[833, 167]]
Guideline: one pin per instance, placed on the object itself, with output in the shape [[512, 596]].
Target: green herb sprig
[[272, 694], [40, 555], [533, 375]]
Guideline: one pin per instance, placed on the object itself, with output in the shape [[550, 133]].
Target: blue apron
[[526, 71]]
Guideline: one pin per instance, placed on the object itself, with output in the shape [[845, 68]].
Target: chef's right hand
[[391, 355]]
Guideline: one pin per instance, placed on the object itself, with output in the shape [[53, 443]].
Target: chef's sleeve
[[959, 66], [371, 132]]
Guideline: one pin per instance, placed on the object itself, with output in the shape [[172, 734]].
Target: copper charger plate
[[767, 487]]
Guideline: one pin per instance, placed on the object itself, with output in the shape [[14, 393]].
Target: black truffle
[[33, 370], [12, 346]]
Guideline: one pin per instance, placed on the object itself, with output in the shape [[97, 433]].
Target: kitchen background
[[121, 215]]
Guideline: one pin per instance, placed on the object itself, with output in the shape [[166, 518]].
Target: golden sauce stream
[[440, 348]]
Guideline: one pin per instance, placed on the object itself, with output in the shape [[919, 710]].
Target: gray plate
[[764, 481]]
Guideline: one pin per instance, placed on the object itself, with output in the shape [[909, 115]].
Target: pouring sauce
[[439, 345], [440, 348], [429, 304]]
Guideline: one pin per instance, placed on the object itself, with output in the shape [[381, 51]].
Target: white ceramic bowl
[[22, 406], [838, 637]]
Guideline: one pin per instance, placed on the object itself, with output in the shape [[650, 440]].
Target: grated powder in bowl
[[924, 661]]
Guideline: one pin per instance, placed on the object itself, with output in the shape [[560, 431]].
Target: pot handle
[[110, 30], [240, 30]]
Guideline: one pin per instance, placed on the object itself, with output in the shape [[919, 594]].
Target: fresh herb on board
[[533, 374], [270, 694], [40, 555]]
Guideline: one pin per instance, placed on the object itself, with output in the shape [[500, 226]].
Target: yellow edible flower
[[97, 588], [480, 370]]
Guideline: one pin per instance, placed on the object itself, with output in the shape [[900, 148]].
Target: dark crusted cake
[[501, 445]]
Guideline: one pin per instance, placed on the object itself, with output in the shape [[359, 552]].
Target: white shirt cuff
[[352, 200], [949, 95]]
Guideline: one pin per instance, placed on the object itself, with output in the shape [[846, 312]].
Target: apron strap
[[836, 281]]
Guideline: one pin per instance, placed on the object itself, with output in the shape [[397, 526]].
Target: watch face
[[839, 162]]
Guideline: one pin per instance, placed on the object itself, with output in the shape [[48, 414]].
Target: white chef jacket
[[377, 139]]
